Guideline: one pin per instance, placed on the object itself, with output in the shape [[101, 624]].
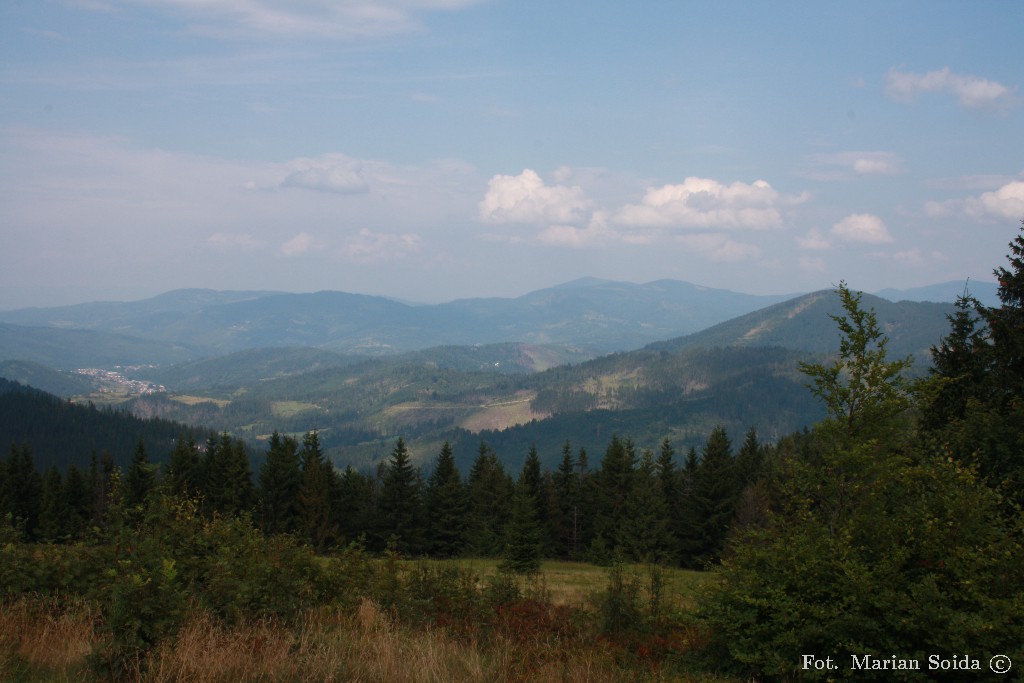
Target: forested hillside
[[892, 526]]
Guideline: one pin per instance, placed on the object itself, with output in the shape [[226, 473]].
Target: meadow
[[549, 627]]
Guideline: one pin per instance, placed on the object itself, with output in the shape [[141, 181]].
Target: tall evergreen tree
[[715, 491], [447, 503], [352, 505], [315, 493], [490, 504], [279, 483], [532, 478], [184, 470], [647, 536], [615, 482], [400, 503], [139, 480], [522, 552], [566, 528], [54, 510], [78, 495], [23, 490]]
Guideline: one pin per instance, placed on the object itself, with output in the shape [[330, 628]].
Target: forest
[[890, 531]]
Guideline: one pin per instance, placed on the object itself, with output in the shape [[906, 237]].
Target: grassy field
[[50, 639]]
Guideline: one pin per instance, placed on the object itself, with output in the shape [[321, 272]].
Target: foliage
[[871, 545]]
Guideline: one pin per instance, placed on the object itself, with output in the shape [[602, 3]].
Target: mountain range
[[576, 362]]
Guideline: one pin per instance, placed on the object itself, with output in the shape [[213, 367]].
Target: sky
[[431, 150]]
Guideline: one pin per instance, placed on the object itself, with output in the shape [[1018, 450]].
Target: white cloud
[[596, 233], [330, 173], [970, 91], [526, 199], [704, 203], [862, 227], [331, 19], [297, 245], [1006, 202], [847, 165], [377, 247]]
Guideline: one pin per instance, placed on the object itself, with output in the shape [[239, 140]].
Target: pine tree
[[24, 491], [279, 483], [749, 459], [533, 480], [400, 504], [447, 503]]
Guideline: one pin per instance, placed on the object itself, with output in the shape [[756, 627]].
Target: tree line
[[634, 504]]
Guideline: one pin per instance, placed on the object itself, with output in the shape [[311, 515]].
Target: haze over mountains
[[576, 362], [594, 316]]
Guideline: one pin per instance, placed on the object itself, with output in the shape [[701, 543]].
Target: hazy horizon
[[431, 150]]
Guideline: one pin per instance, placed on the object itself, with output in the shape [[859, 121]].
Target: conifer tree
[[400, 504], [446, 506], [565, 529], [279, 483], [646, 535], [352, 505], [615, 481], [184, 470], [490, 504], [53, 513], [24, 491], [77, 493], [715, 491], [533, 480], [522, 553], [139, 480], [315, 493]]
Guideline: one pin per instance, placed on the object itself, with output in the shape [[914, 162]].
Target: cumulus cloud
[[862, 227], [377, 247], [970, 91], [595, 233], [1006, 202], [330, 173], [704, 203], [308, 19], [525, 198], [297, 245]]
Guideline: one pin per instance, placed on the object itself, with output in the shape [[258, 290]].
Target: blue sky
[[437, 149]]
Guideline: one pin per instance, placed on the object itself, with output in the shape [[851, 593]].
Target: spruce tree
[[139, 481], [447, 503], [315, 493], [715, 492], [490, 504], [54, 510], [646, 534], [522, 553], [400, 504], [352, 506], [279, 483], [184, 470]]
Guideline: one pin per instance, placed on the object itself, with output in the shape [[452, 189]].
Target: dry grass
[[47, 636], [40, 640]]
